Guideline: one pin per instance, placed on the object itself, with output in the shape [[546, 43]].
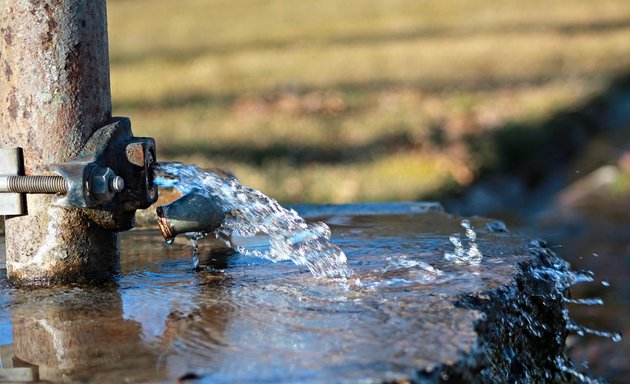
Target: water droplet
[[605, 283], [616, 337], [170, 241]]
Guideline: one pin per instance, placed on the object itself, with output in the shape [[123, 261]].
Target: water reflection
[[132, 330], [55, 331]]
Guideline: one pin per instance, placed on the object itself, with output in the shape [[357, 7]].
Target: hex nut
[[99, 186]]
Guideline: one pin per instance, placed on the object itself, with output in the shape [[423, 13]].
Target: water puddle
[[242, 318]]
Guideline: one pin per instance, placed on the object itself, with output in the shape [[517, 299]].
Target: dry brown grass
[[355, 100]]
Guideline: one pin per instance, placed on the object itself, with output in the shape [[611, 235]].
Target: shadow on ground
[[530, 163]]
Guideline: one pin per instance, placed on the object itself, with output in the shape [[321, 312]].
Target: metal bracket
[[111, 177], [11, 204], [129, 157]]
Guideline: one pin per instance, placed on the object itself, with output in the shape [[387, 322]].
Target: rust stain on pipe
[[54, 93]]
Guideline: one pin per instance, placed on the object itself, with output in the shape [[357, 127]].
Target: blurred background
[[511, 109], [317, 101]]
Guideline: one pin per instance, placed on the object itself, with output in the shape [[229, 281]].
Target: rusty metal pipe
[[54, 94]]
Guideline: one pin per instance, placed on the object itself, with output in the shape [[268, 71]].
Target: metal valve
[[112, 177]]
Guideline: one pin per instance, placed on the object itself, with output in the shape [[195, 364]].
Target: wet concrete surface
[[406, 313]]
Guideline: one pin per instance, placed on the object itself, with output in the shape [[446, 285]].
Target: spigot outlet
[[190, 213]]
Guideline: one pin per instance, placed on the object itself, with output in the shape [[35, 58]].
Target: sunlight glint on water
[[250, 212]]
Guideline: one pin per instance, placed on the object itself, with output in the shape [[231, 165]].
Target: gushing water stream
[[249, 213]]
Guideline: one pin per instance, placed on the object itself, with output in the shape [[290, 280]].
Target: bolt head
[[117, 184]]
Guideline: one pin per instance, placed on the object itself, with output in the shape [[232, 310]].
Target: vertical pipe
[[54, 93]]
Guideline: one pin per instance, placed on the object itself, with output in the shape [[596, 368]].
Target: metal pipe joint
[[111, 178]]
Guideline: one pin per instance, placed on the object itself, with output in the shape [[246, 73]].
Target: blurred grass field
[[337, 101]]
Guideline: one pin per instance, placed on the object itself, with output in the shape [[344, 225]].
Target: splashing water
[[461, 255], [581, 330], [566, 279], [562, 365], [250, 212], [563, 279], [586, 301]]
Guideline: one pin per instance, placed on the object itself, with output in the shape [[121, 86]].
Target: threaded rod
[[33, 184]]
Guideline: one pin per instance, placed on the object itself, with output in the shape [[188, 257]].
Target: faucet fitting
[[112, 177]]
